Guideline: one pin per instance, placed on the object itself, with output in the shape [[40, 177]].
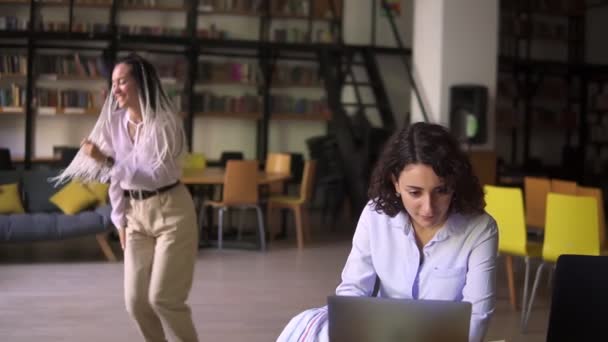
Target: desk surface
[[215, 175]]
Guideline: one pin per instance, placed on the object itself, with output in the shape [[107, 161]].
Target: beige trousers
[[160, 252]]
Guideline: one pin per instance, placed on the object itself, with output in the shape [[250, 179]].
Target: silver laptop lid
[[371, 319]]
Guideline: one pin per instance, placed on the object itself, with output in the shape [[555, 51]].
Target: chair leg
[[239, 234], [261, 228], [220, 230], [306, 223], [102, 240], [511, 281], [269, 221], [297, 211], [201, 221], [525, 296], [534, 288]]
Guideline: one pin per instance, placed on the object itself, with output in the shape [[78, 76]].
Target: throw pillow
[[10, 200], [100, 190], [73, 198]]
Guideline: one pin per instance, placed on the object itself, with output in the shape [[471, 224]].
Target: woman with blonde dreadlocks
[[136, 144]]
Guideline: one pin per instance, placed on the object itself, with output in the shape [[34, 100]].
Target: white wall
[[290, 136], [397, 86], [427, 53], [12, 133], [450, 48], [213, 135], [470, 50]]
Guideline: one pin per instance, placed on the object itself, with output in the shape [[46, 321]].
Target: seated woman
[[424, 233]]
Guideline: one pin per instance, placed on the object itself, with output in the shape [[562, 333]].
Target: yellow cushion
[[100, 190], [10, 201], [194, 161], [73, 198]]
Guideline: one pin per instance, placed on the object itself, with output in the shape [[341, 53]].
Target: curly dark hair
[[432, 145]]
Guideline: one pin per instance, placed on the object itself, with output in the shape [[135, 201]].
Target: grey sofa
[[44, 221]]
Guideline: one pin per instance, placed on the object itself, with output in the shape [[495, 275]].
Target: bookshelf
[[541, 46], [68, 43]]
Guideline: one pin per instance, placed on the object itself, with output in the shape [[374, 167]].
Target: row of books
[[143, 3], [559, 6], [213, 32], [77, 2], [249, 6], [63, 26], [278, 7], [538, 28], [296, 75], [600, 101], [12, 96], [293, 105], [54, 98], [291, 7], [209, 102], [151, 30], [13, 64], [296, 35], [72, 65], [247, 73], [12, 23], [599, 133]]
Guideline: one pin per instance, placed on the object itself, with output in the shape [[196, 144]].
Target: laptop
[[372, 319]]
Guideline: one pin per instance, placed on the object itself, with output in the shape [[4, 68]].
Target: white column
[[454, 42]]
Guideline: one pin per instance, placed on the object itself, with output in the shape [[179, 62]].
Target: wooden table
[[215, 176]]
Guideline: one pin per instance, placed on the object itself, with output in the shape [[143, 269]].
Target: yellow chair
[[297, 203], [571, 228], [241, 192], [506, 206], [597, 194], [197, 161], [536, 190]]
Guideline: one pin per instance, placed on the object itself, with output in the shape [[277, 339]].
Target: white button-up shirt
[[458, 264], [135, 172]]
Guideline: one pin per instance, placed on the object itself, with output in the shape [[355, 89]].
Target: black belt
[[143, 194]]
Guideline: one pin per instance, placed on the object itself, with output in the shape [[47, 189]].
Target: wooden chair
[[484, 166], [241, 192], [297, 204], [597, 194], [536, 190], [564, 187], [277, 163]]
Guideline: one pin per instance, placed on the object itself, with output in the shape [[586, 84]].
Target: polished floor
[[64, 291]]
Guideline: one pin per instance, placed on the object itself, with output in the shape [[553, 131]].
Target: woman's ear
[[395, 182]]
